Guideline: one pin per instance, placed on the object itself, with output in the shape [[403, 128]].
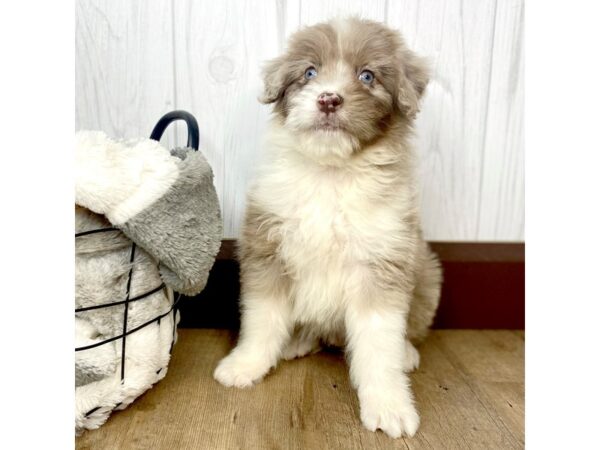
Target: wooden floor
[[469, 390]]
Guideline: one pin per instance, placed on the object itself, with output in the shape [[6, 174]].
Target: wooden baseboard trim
[[484, 287]]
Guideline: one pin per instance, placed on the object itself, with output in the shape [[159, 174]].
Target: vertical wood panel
[[502, 211], [219, 50], [457, 38], [139, 59], [291, 19], [123, 66], [314, 11]]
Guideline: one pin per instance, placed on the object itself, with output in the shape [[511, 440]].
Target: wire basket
[[98, 397]]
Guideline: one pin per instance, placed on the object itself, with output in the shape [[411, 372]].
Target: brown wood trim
[[227, 250], [479, 251], [484, 287], [447, 251]]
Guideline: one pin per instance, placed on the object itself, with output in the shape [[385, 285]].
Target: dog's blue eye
[[310, 73], [366, 76]]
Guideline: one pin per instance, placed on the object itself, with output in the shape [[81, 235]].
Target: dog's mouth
[[328, 122]]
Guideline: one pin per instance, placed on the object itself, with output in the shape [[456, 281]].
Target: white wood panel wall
[[138, 59]]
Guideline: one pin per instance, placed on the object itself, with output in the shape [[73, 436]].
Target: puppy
[[331, 249]]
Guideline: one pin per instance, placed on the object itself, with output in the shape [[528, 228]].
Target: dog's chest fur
[[331, 225]]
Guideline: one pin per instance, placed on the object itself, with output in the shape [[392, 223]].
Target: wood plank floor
[[469, 390]]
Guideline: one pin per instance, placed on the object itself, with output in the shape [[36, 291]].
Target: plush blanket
[[162, 229]]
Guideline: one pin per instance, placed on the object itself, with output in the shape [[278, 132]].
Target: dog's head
[[344, 82]]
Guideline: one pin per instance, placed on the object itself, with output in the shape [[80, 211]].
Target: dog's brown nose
[[329, 102]]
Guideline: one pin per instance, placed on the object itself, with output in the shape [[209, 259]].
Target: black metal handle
[[193, 139]]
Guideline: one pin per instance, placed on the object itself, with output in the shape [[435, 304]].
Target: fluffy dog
[[331, 250]]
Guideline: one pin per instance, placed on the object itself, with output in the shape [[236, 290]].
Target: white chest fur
[[333, 221]]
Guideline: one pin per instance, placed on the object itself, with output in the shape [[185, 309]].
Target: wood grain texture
[[219, 50], [469, 391], [494, 370], [457, 38], [502, 192], [309, 12], [136, 60], [124, 66]]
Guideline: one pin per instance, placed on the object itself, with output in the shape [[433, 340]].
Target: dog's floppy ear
[[413, 79], [274, 77]]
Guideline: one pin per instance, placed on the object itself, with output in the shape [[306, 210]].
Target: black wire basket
[[96, 415]]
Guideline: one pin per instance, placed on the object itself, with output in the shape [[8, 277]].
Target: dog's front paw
[[240, 371], [390, 410]]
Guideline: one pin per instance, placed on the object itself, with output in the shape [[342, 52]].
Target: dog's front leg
[[376, 344], [265, 329]]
